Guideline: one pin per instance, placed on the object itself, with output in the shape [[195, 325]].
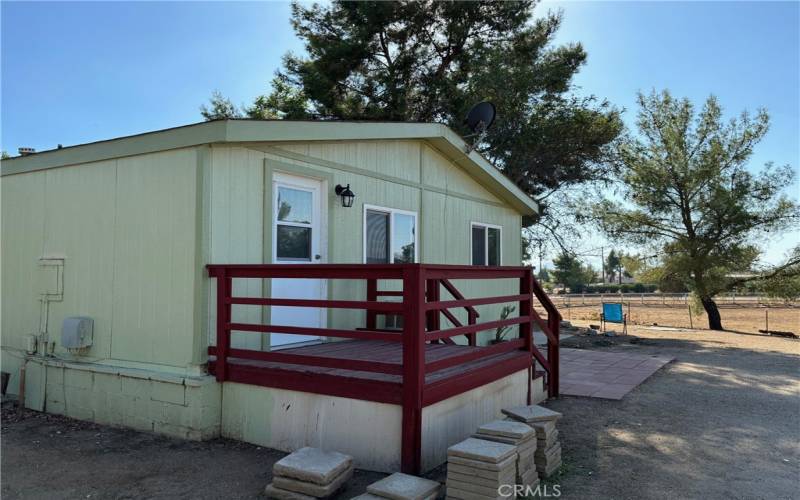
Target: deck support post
[[224, 292], [526, 329], [554, 324], [413, 367]]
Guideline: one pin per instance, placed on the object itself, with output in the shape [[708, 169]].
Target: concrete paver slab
[[606, 375], [313, 465], [401, 486]]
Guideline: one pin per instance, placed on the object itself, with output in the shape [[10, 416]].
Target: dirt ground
[[735, 318], [52, 457], [721, 421]]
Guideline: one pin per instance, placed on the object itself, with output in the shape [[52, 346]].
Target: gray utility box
[[76, 332]]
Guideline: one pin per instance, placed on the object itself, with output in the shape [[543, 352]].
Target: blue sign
[[612, 312]]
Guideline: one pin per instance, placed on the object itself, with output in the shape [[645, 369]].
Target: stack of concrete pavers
[[476, 469], [543, 421], [309, 473], [523, 437], [401, 486]]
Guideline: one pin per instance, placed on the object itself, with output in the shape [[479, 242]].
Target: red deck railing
[[421, 307]]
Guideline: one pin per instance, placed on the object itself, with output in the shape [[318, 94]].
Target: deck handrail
[[472, 313], [421, 308]]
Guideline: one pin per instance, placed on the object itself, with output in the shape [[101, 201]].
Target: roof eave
[[242, 131]]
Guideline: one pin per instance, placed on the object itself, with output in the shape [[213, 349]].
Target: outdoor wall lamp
[[346, 194]]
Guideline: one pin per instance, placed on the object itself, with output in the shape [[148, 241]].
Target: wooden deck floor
[[383, 387]]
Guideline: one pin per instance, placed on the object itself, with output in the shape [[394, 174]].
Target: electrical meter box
[[76, 332]]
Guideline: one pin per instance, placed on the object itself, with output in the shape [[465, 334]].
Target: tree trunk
[[712, 311]]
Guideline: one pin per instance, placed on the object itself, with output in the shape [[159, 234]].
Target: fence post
[[554, 324], [413, 366], [471, 320], [432, 294], [372, 296], [224, 292]]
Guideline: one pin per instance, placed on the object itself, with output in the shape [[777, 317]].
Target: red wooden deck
[[372, 386], [414, 368]]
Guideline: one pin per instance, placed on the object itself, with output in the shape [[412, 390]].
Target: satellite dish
[[481, 116], [479, 119]]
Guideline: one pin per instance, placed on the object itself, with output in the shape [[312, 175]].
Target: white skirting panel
[[370, 432]]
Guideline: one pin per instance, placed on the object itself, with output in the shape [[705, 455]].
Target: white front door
[[297, 221]]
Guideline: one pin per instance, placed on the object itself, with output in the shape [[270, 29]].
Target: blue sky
[[79, 72]]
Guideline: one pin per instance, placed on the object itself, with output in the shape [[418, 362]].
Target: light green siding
[[439, 172], [237, 228], [136, 232], [126, 230], [79, 225], [412, 176], [154, 260]]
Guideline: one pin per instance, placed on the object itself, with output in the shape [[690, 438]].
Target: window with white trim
[[486, 244], [390, 236]]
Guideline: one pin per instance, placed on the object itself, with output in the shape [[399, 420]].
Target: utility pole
[[603, 263]]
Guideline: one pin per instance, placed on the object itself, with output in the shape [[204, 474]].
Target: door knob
[[317, 257]]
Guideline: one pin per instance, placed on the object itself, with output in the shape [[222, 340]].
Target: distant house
[[284, 283]]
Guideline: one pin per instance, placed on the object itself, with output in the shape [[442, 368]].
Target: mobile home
[[283, 283]]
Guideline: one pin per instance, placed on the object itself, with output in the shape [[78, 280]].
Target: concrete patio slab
[[606, 375]]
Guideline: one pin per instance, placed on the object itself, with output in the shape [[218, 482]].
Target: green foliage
[[613, 266], [501, 332], [430, 61], [4, 155], [285, 102], [219, 108], [691, 199], [632, 265], [570, 272], [786, 287], [783, 283], [543, 275]]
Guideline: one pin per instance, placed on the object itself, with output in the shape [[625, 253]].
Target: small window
[[390, 236], [486, 245]]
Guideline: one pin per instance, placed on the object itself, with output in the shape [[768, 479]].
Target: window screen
[[377, 244]]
